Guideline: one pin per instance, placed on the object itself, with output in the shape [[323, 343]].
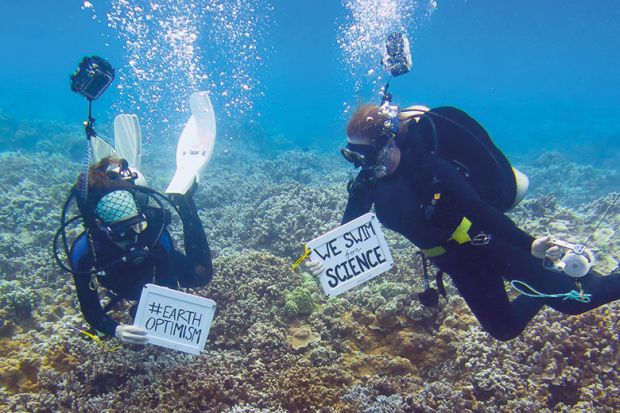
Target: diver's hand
[[543, 247], [131, 334], [315, 267], [361, 182]]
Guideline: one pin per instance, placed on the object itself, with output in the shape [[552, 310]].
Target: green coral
[[299, 301]]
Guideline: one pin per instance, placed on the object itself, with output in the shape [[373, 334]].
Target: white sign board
[[174, 319], [352, 254]]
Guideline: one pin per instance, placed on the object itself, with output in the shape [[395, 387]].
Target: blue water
[[538, 75], [542, 76]]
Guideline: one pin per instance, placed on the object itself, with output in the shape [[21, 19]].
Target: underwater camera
[[576, 260], [92, 77], [397, 55]]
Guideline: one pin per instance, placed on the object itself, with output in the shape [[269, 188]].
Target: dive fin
[[195, 145], [100, 149], [128, 139]]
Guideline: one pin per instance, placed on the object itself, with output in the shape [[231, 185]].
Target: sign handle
[[97, 339], [307, 252]]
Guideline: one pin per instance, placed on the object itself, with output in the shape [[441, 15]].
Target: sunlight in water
[[173, 48], [365, 28]]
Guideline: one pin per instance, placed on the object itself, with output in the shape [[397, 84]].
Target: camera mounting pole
[[89, 125], [396, 61], [92, 77], [385, 95]]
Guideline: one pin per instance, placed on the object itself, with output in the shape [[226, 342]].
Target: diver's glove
[[185, 202], [361, 182], [131, 334], [315, 267], [544, 247]]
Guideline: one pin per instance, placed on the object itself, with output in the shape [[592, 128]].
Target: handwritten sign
[[352, 254], [174, 319]]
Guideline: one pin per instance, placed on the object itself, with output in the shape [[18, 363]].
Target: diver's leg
[[525, 268], [489, 302], [602, 290], [197, 248]]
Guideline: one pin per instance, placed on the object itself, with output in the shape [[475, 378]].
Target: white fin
[[195, 145], [100, 149], [128, 139]]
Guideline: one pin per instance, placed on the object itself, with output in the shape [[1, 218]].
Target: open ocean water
[[284, 76]]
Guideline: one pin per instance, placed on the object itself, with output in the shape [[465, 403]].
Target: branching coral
[[300, 301], [285, 217], [277, 344], [16, 303], [572, 184], [248, 288]]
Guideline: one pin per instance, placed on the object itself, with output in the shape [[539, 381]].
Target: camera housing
[[397, 54], [92, 77]]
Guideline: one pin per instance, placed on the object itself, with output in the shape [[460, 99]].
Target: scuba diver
[[125, 243], [435, 176]]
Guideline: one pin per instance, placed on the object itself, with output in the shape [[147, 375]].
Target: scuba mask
[[361, 156], [375, 155], [370, 157], [125, 231]]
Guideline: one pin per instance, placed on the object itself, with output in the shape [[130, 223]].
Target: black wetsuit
[[403, 203], [163, 266]]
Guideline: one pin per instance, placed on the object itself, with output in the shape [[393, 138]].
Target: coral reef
[[41, 136], [300, 301], [571, 183], [16, 304], [277, 344], [301, 213], [249, 288]]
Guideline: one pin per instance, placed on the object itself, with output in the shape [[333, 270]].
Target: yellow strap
[[97, 340], [301, 259], [460, 235], [89, 335], [433, 252]]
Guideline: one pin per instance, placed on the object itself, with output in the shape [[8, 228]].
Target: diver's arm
[[476, 210], [91, 306], [199, 269], [360, 197]]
